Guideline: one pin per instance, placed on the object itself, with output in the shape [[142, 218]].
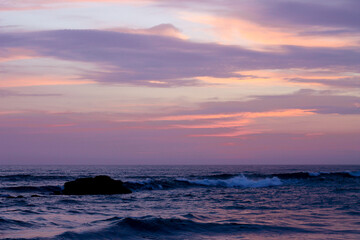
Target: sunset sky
[[179, 82]]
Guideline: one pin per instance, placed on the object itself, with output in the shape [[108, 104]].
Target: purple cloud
[[142, 59], [321, 102], [335, 17], [332, 13]]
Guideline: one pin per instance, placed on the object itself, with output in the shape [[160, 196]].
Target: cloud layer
[[143, 59], [173, 82]]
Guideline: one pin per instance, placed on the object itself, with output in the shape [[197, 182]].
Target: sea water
[[183, 202]]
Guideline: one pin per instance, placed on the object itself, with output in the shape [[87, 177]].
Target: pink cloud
[[166, 30]]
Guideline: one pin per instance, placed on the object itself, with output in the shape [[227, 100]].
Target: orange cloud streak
[[278, 113], [242, 120], [242, 32], [41, 81]]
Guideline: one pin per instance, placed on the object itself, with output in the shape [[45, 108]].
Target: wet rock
[[93, 186]]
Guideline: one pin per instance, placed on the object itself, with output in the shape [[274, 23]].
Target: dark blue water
[[184, 202]]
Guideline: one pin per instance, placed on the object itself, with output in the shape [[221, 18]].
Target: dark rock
[[35, 195], [96, 185]]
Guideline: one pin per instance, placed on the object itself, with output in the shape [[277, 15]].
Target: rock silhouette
[[94, 186]]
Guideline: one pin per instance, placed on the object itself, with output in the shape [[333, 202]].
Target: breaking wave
[[238, 181], [248, 180]]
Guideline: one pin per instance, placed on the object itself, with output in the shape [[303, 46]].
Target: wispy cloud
[[348, 82], [9, 93], [9, 5]]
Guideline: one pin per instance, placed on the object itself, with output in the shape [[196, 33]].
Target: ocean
[[183, 202]]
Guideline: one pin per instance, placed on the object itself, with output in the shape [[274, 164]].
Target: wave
[[286, 175], [242, 180], [173, 228], [238, 181], [148, 184], [290, 175], [6, 224], [308, 175], [354, 173], [162, 184], [29, 177], [218, 176], [31, 189]]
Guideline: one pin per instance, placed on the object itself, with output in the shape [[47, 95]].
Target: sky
[[179, 82]]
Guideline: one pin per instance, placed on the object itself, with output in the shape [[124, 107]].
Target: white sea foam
[[238, 181]]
